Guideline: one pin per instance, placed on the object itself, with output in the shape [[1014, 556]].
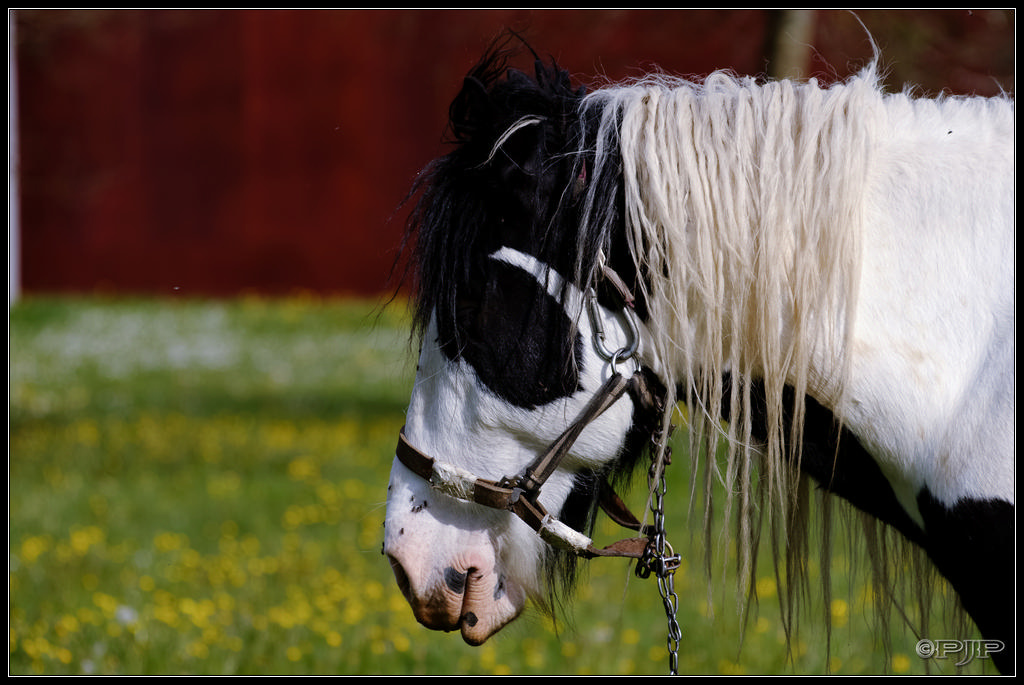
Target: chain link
[[659, 557]]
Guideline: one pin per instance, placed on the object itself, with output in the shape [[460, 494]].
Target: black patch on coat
[[971, 543], [517, 338]]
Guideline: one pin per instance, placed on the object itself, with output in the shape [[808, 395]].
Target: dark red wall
[[218, 152]]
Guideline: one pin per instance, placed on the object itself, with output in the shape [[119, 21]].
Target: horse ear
[[474, 106], [469, 107], [556, 81]]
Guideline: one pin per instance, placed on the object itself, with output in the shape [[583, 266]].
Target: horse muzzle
[[470, 594]]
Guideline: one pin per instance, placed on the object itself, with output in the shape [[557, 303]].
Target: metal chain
[[660, 559]]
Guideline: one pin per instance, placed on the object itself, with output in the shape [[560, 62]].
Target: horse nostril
[[455, 580]]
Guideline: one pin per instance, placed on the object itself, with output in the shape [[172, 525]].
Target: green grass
[[197, 487]]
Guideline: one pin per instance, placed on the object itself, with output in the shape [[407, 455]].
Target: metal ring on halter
[[622, 354]]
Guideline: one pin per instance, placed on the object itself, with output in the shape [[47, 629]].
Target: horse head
[[517, 339]]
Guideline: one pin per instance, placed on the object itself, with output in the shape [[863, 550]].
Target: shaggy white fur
[[854, 245]]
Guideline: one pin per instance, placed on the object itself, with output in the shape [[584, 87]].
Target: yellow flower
[[401, 642], [169, 542], [87, 433], [88, 615], [198, 611], [67, 624], [765, 587], [303, 468], [84, 538], [198, 650], [107, 604], [729, 668], [627, 666], [840, 612], [166, 614], [293, 517], [33, 547], [534, 658]]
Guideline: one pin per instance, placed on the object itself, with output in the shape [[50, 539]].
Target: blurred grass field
[[197, 487]]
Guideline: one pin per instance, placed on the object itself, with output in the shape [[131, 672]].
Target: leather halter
[[519, 494]]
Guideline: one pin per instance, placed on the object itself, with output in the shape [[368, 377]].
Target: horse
[[821, 276]]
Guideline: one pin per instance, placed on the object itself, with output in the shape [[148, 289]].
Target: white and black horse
[[823, 275]]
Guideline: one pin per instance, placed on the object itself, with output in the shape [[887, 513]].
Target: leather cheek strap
[[463, 486]]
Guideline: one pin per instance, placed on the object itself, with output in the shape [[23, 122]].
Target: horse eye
[[466, 312]]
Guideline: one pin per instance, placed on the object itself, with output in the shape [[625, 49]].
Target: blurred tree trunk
[[791, 36]]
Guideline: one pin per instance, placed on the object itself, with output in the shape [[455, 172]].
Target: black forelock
[[477, 198]]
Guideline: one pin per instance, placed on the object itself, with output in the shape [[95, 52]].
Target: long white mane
[[744, 205]]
